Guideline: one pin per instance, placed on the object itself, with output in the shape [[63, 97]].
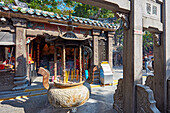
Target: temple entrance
[[138, 16]]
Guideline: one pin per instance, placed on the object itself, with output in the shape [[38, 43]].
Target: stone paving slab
[[101, 101]]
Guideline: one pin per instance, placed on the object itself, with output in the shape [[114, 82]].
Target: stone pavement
[[101, 101], [117, 72]]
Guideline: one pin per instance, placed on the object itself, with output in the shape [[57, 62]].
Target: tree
[[7, 1], [147, 42], [88, 11]]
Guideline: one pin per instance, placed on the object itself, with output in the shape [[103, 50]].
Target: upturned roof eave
[[41, 19]]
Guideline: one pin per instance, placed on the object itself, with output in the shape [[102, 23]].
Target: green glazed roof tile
[[38, 12], [41, 13], [51, 14], [30, 11], [13, 8], [23, 10], [44, 13], [6, 8], [64, 18]]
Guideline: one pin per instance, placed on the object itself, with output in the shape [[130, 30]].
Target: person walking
[[146, 63], [119, 59]]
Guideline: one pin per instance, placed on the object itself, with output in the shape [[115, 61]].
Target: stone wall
[[6, 81]]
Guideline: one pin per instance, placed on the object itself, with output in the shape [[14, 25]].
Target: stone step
[[20, 87], [22, 95], [10, 92], [20, 82], [20, 78]]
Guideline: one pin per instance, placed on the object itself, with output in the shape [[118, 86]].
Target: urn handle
[[46, 75]]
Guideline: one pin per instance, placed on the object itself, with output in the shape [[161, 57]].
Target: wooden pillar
[[74, 62], [95, 50], [55, 62], [110, 51], [84, 65], [80, 62], [38, 54], [132, 57], [64, 63]]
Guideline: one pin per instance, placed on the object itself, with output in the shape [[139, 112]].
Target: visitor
[[113, 60], [119, 59], [146, 63], [152, 60]]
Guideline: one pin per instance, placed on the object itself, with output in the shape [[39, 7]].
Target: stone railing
[[118, 97], [145, 100], [149, 81]]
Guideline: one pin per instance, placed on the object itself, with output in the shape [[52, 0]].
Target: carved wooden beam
[[18, 22]]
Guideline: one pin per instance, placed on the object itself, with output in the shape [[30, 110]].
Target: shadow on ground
[[101, 101]]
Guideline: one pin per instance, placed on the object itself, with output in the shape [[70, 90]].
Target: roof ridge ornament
[[20, 4]]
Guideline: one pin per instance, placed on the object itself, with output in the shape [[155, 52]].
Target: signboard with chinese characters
[[152, 14]]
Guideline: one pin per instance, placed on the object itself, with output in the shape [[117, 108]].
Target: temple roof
[[55, 16]]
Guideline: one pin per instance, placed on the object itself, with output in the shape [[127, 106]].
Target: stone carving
[[6, 24], [145, 100], [149, 81], [68, 97], [125, 18], [157, 40], [118, 97], [20, 4]]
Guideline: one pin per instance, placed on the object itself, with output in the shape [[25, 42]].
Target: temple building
[[23, 45]]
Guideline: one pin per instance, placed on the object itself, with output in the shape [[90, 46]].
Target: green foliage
[[7, 1], [46, 5], [64, 6], [147, 41], [119, 33], [84, 10]]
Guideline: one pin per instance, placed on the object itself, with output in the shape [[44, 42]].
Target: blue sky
[[62, 6]]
